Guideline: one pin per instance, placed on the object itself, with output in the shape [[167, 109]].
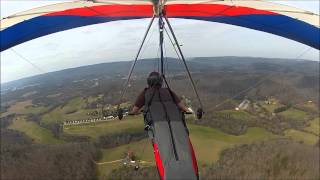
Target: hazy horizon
[[188, 59]]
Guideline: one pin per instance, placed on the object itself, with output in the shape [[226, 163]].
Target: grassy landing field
[[94, 130], [34, 131], [295, 114], [239, 115], [73, 110]]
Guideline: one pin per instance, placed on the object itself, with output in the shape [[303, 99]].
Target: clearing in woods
[[34, 131]]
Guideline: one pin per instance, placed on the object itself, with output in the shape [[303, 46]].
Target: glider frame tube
[[124, 88]]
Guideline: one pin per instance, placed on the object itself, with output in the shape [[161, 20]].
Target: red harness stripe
[[194, 160], [158, 161]]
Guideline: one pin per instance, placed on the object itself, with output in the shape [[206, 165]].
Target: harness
[[148, 118], [166, 127]]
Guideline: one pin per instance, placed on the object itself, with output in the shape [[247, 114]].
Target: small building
[[244, 104]]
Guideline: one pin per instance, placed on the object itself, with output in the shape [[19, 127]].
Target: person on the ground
[[155, 81]]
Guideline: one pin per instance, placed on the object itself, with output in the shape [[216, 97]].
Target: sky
[[120, 42]]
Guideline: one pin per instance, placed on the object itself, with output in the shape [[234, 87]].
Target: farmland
[[37, 136]]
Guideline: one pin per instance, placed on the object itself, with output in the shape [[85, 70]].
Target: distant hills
[[173, 65], [216, 78]]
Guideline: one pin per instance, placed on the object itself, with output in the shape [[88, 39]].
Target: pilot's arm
[[138, 103], [135, 110], [182, 107], [179, 103]]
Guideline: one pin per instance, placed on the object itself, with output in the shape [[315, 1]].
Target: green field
[[295, 114], [24, 108], [233, 114], [208, 144], [302, 136], [314, 126], [309, 135], [58, 115], [34, 131], [311, 106], [142, 149], [73, 110]]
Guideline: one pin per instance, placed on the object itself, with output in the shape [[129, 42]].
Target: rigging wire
[[146, 45], [27, 60], [147, 42], [173, 44], [158, 57], [243, 91], [175, 49], [258, 83], [166, 60], [178, 56], [169, 71], [32, 64], [303, 53], [156, 63], [184, 62]]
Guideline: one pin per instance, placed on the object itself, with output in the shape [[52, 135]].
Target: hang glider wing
[[291, 23], [45, 20], [285, 21]]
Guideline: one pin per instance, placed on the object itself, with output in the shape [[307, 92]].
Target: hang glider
[[165, 123], [288, 22]]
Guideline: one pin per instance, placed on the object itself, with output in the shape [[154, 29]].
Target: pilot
[[155, 81]]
